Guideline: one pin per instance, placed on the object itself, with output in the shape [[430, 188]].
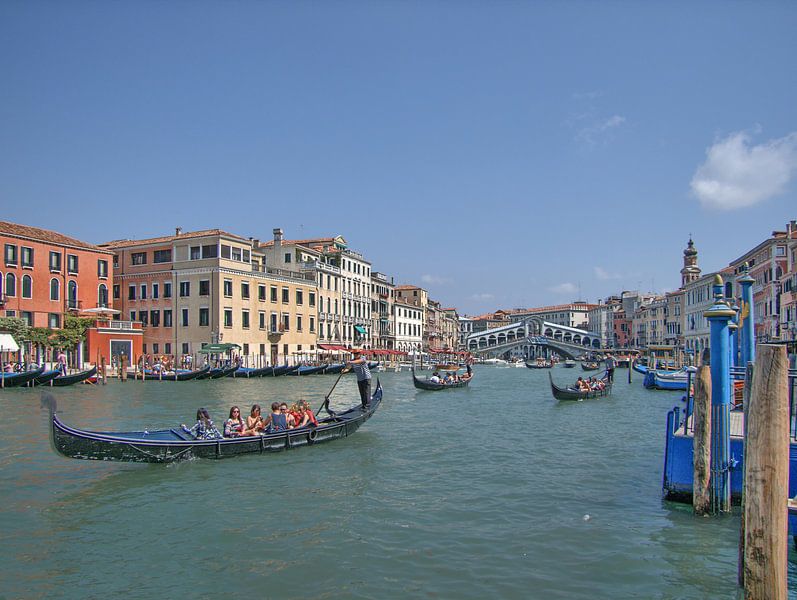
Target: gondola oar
[[325, 403]]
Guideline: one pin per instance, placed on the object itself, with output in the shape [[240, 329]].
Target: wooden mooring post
[[766, 478], [701, 419], [748, 393]]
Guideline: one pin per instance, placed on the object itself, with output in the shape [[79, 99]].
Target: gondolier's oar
[[325, 403]]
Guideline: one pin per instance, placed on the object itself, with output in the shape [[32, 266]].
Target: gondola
[[170, 445], [44, 379], [333, 369], [249, 372], [656, 381], [21, 378], [74, 378], [173, 375], [309, 370], [569, 364], [218, 372], [589, 366], [571, 394], [545, 365], [423, 384]]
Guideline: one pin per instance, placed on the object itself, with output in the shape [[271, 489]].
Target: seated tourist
[[295, 414], [278, 419], [204, 428], [581, 385], [234, 426], [435, 378], [308, 417], [254, 422], [447, 379]]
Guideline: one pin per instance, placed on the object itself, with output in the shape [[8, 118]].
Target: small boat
[[589, 366], [494, 361], [569, 393], [308, 370], [180, 375], [333, 369], [218, 372], [425, 384], [74, 378], [44, 379], [170, 445], [539, 364], [569, 363], [249, 372], [21, 378], [657, 381], [640, 368]]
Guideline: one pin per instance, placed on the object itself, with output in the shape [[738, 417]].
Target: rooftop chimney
[[277, 236], [178, 230]]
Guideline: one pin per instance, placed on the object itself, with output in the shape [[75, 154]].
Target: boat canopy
[[218, 348]]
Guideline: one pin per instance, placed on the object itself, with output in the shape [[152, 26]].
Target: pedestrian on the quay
[[61, 359], [360, 365], [610, 364]]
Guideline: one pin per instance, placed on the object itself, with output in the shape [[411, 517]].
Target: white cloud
[[604, 275], [482, 297], [737, 174], [598, 129], [435, 279], [564, 288]]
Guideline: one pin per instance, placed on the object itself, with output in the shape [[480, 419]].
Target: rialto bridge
[[533, 332]]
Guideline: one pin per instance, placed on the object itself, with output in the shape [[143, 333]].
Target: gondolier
[[360, 365], [610, 364]]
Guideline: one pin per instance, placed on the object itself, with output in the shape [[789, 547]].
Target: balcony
[[75, 305]]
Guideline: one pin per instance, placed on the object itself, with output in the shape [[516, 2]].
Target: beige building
[[383, 311], [409, 327], [192, 289]]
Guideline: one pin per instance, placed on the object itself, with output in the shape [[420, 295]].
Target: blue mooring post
[[719, 315], [734, 332], [746, 322]]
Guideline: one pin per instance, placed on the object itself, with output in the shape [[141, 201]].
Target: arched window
[[11, 285], [102, 296], [55, 289], [71, 294], [27, 286]]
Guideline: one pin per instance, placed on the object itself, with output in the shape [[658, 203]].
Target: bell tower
[[690, 272]]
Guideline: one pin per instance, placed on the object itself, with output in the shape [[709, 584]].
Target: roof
[[170, 238], [310, 242], [45, 235]]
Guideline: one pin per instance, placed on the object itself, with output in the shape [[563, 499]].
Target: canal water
[[495, 490]]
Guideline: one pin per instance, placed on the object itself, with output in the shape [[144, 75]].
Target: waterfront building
[[649, 323], [673, 318], [309, 256], [575, 314], [412, 295], [769, 262], [450, 331], [383, 311], [698, 298], [788, 301], [355, 288], [465, 329], [409, 326], [46, 275], [433, 328], [197, 288], [487, 321], [600, 321]]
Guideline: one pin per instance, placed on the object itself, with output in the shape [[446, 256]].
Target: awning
[[218, 348], [8, 343], [360, 329], [101, 310]]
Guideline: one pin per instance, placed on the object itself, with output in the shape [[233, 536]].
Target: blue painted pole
[[734, 332], [746, 316], [719, 316]]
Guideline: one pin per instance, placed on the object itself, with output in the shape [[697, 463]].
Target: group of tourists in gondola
[[450, 377], [281, 418], [589, 384]]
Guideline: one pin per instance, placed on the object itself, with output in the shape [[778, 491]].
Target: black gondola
[[218, 372], [545, 365], [170, 445], [572, 394], [589, 366], [44, 379], [74, 378], [173, 376], [21, 378], [309, 370], [423, 384]]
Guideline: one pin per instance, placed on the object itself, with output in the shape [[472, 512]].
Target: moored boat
[[309, 369], [170, 445], [172, 375], [568, 393], [21, 378], [65, 380], [44, 379], [218, 372]]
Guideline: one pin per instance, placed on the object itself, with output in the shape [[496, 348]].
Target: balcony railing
[[74, 304]]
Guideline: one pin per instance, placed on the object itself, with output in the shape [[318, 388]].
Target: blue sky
[[500, 154]]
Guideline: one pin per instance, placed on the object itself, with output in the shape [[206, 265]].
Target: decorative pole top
[[745, 276], [720, 308]]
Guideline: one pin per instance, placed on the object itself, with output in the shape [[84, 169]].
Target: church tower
[[690, 272]]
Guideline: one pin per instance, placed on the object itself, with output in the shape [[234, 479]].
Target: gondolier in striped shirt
[[360, 365]]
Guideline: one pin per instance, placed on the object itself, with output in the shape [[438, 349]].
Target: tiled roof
[[45, 235], [409, 287], [311, 242], [170, 238]]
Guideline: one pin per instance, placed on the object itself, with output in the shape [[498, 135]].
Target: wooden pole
[[766, 478], [104, 372], [748, 393], [123, 366], [701, 420]]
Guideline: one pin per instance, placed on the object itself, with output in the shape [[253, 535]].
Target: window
[[143, 316], [247, 256], [102, 268], [167, 318], [185, 289], [228, 317], [312, 324], [245, 290], [27, 286], [117, 291], [311, 298], [143, 291], [286, 322], [273, 325], [27, 316], [167, 348], [273, 293], [132, 315], [225, 251], [236, 254], [204, 287], [228, 288], [71, 263], [298, 322], [155, 318], [299, 297], [261, 320], [155, 291], [115, 261], [185, 347], [102, 296], [286, 295], [155, 348], [246, 349], [144, 348], [131, 292], [195, 252], [27, 256], [55, 261], [167, 289], [184, 317], [245, 319], [11, 255], [54, 321], [261, 293], [162, 256], [55, 289], [11, 285], [138, 258], [287, 258], [210, 251]]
